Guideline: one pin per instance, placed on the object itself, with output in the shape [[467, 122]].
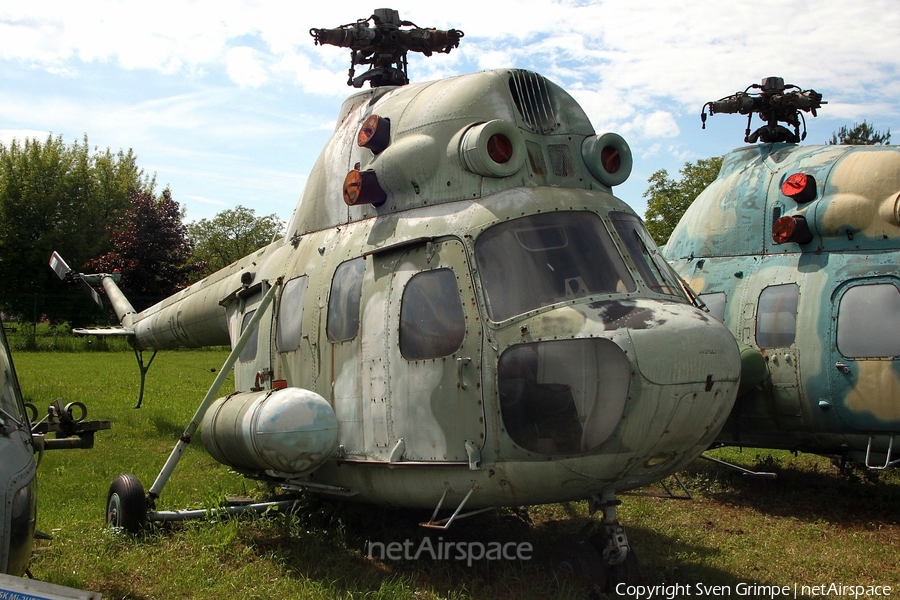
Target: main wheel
[[126, 505]]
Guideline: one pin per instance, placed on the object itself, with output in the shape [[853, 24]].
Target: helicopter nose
[[683, 345]]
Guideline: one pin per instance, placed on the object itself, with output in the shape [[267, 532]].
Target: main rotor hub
[[775, 103], [380, 43]]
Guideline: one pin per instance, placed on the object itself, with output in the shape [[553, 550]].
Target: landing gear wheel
[[628, 571], [575, 558], [126, 505]]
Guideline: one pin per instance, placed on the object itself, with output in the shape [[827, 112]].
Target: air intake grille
[[531, 95]]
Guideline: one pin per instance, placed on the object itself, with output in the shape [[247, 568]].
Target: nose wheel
[[126, 504], [605, 559]]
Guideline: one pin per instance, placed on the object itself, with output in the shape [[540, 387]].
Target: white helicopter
[[461, 315]]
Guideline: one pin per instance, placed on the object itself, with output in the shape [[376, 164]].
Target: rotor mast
[[381, 44]]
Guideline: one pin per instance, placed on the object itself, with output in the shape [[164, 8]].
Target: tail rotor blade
[[90, 291], [59, 265]]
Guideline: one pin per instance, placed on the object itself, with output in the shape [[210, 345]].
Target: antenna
[[775, 103], [383, 45]]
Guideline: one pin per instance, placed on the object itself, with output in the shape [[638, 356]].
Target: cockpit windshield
[[653, 268], [543, 259]]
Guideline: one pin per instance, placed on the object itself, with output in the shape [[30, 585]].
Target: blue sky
[[229, 102]]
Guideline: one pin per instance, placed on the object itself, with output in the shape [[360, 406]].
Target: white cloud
[[245, 67]]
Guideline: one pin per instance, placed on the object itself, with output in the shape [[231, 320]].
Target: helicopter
[[22, 436], [795, 248], [460, 316]]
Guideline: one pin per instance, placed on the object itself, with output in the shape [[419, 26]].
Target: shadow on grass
[[345, 550], [807, 495]]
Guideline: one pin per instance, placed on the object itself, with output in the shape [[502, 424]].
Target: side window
[[776, 316], [657, 274], [343, 302], [868, 324], [248, 354], [432, 322], [715, 302], [290, 314]]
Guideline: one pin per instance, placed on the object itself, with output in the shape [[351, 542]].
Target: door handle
[[460, 364]]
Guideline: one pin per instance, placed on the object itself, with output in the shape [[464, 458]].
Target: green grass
[[808, 527]]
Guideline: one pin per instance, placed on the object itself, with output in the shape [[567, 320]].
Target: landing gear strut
[[604, 558]]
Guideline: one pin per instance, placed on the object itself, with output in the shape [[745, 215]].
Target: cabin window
[[343, 302], [563, 397], [290, 314], [544, 259], [432, 323], [715, 303], [868, 324], [653, 268], [776, 317], [248, 354]]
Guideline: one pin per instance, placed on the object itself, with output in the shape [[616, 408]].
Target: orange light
[[791, 228], [375, 134], [279, 384], [362, 187], [800, 187], [610, 159], [499, 148]]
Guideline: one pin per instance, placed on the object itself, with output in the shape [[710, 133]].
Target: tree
[[231, 235], [57, 197], [667, 199], [861, 134], [150, 248]]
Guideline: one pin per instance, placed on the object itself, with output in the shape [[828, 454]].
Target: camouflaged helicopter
[[462, 314], [795, 248]]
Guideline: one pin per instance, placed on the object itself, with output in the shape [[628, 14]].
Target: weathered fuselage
[[819, 312], [501, 322]]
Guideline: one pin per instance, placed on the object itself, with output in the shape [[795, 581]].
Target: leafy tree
[[231, 235], [861, 134], [55, 196], [150, 248], [667, 199]]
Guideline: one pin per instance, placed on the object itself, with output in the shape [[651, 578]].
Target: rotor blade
[[91, 292], [59, 265]]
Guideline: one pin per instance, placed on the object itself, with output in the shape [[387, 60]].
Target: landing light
[[792, 228]]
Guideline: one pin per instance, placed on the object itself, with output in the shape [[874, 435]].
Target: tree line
[[102, 213]]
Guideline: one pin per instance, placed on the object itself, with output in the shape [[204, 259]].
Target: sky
[[229, 102]]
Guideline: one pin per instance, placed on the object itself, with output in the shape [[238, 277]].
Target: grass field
[[811, 526]]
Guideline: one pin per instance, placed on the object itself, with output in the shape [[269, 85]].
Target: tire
[[126, 505]]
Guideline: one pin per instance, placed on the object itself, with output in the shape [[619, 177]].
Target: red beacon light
[[362, 187], [791, 228], [799, 187], [375, 134]]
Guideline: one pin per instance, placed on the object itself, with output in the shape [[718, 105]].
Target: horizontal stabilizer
[[104, 331]]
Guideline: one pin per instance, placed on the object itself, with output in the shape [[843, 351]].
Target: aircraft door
[[434, 331], [253, 368], [776, 336], [864, 365]]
